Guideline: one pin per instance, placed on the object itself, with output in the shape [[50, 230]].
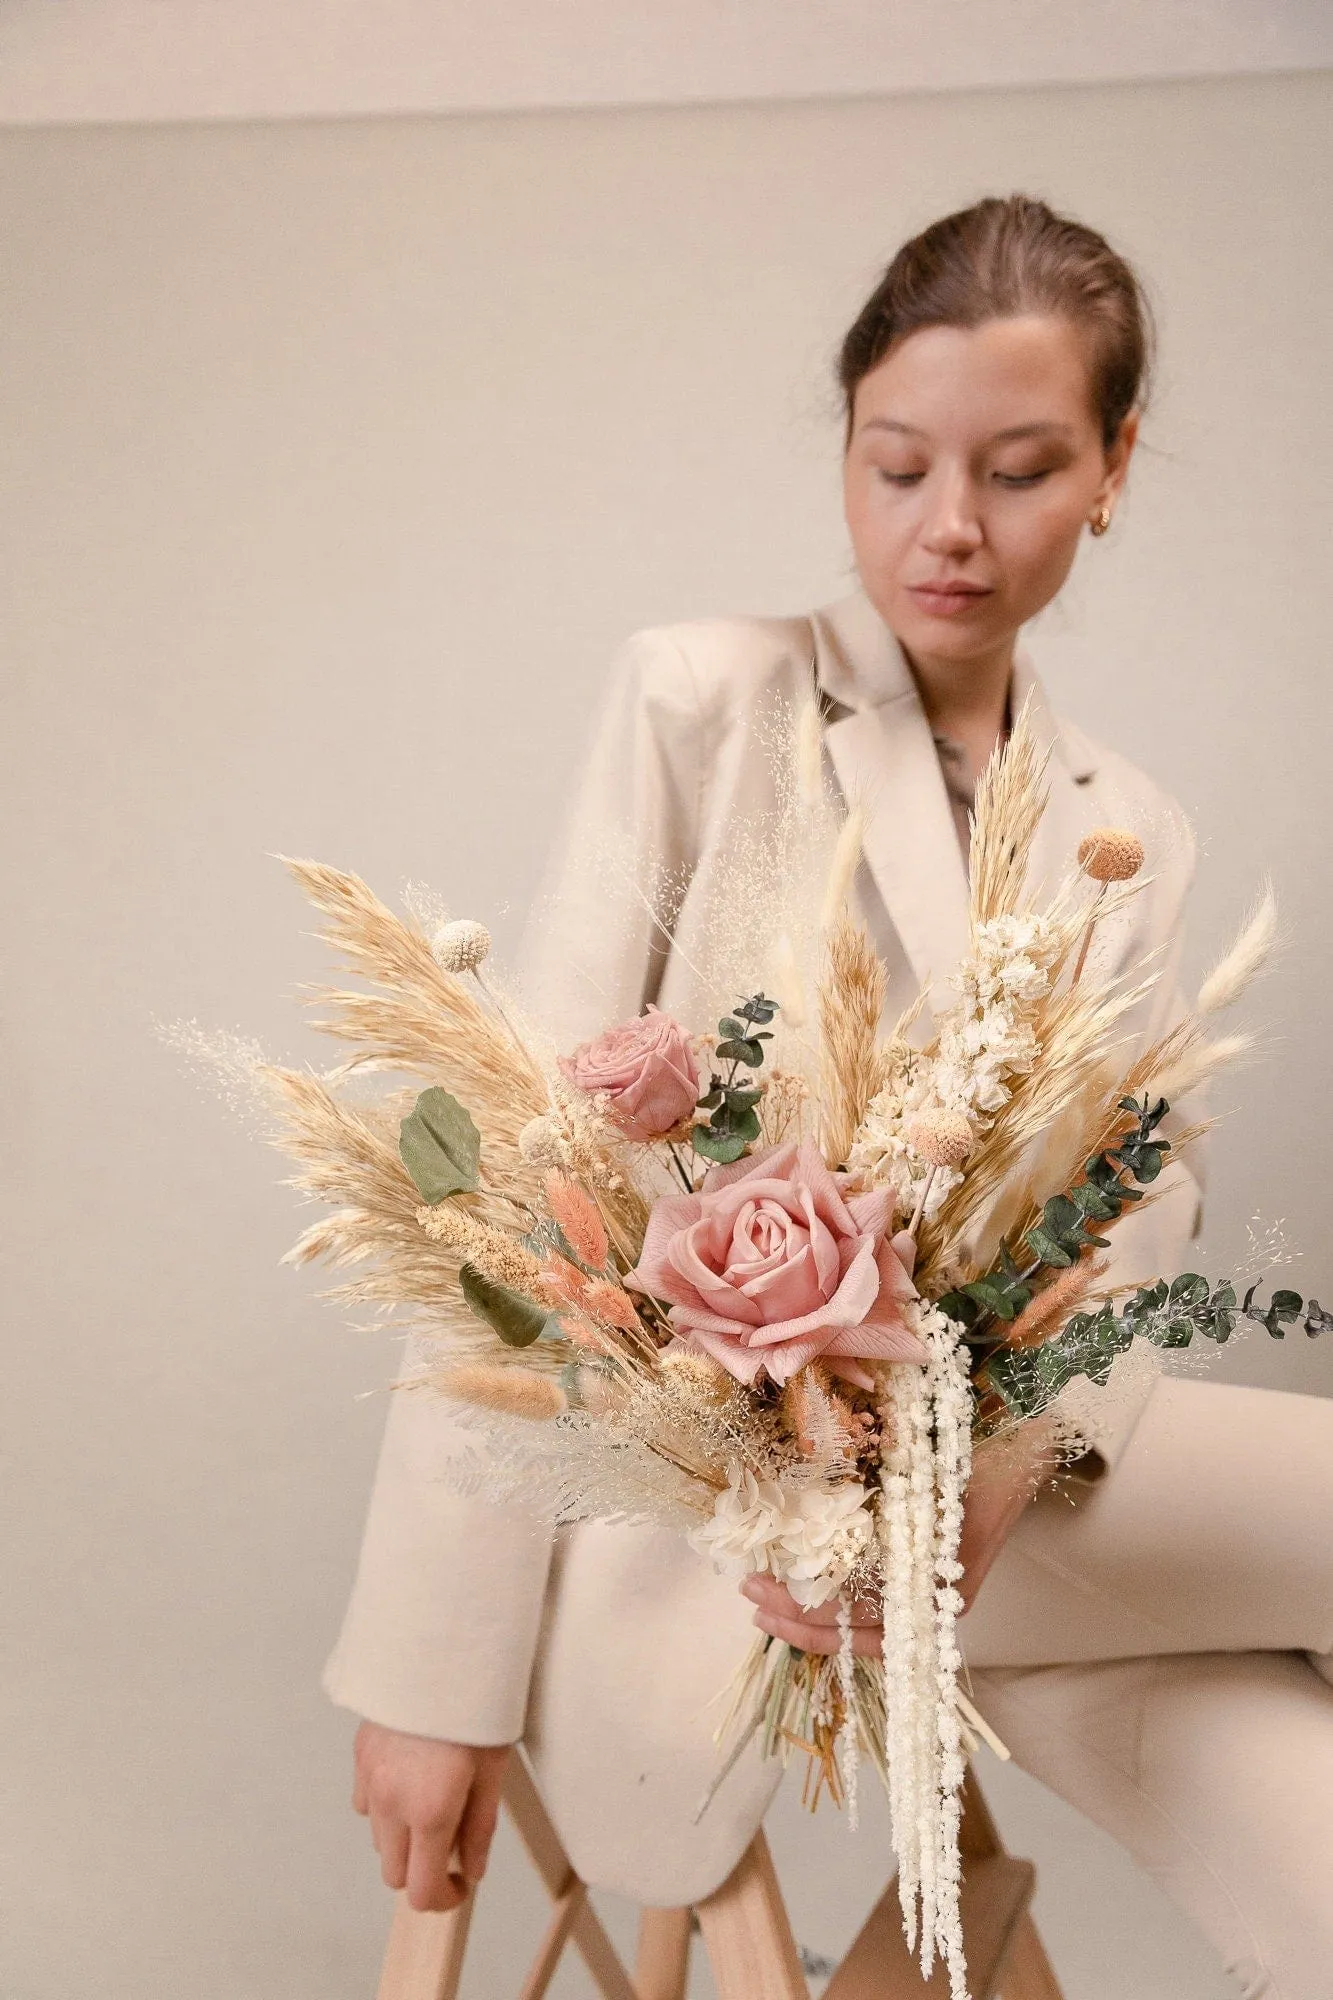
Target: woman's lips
[[948, 600]]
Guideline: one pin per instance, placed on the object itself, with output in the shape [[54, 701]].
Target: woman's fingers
[[391, 1844], [480, 1817], [806, 1637], [775, 1597], [417, 1792], [430, 1882]]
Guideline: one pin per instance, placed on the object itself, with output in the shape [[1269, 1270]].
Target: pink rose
[[770, 1266], [646, 1071]]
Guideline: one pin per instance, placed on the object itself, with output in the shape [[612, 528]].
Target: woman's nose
[[951, 525]]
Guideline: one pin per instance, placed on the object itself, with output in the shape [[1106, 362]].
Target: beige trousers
[[1158, 1649]]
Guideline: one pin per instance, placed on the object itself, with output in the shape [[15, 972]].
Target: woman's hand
[[1006, 1473], [429, 1803]]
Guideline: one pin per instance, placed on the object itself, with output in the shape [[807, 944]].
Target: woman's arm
[[438, 1641]]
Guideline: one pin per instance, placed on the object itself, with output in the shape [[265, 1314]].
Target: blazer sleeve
[[1155, 1240], [442, 1627], [600, 931]]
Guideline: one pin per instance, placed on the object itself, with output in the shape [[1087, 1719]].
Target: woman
[[1149, 1643]]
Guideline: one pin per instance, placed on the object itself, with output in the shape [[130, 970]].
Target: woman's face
[[974, 464]]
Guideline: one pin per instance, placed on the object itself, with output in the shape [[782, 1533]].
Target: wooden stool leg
[[424, 1959], [745, 1927], [663, 1963], [548, 1857], [1029, 1975]]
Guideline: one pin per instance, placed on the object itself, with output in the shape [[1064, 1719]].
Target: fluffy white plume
[[846, 858], [1246, 958], [1198, 1064]]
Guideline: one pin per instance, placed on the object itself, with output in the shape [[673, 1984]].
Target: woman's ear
[[1117, 462]]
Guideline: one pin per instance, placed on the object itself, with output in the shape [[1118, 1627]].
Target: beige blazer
[[602, 1647]]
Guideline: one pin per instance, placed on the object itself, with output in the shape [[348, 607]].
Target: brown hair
[[1000, 258]]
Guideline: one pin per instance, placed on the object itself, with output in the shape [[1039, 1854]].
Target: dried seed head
[[462, 945], [693, 1374], [1110, 854], [941, 1138]]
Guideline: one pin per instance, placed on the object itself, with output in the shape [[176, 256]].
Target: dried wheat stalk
[[851, 1001]]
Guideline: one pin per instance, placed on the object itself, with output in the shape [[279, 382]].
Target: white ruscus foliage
[[927, 1459]]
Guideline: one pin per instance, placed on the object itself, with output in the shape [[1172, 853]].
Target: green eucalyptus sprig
[[1067, 1226], [1170, 1316], [733, 1124]]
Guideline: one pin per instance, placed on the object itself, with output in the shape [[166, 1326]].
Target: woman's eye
[[900, 478], [1022, 478]]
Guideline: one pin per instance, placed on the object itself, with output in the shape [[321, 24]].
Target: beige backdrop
[[309, 433]]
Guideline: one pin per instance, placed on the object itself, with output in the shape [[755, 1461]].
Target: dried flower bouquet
[[774, 1284]]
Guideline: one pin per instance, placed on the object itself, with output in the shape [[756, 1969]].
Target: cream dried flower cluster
[[812, 1538], [983, 1044]]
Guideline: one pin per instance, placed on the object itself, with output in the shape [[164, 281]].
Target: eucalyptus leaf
[[517, 1320], [1048, 1248], [722, 1147], [440, 1146]]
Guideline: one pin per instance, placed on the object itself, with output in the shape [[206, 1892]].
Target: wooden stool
[[745, 1929]]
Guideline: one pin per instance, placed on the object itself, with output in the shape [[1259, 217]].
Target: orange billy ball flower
[[1110, 854]]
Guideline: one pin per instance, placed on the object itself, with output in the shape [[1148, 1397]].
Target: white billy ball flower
[[540, 1143], [462, 945]]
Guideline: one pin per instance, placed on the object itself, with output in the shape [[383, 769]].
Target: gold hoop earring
[[1100, 521]]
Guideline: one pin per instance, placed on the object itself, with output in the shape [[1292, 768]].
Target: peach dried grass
[[579, 1218]]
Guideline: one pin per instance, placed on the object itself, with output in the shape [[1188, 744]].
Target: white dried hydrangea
[[984, 1042], [810, 1537]]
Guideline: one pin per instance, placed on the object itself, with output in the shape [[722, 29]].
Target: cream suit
[[602, 1646]]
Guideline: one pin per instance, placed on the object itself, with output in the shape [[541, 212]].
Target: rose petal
[[878, 1343]]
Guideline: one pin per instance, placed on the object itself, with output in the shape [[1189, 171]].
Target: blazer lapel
[[881, 748], [1071, 805]]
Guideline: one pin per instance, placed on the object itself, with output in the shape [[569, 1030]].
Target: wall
[[98, 61], [338, 460]]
